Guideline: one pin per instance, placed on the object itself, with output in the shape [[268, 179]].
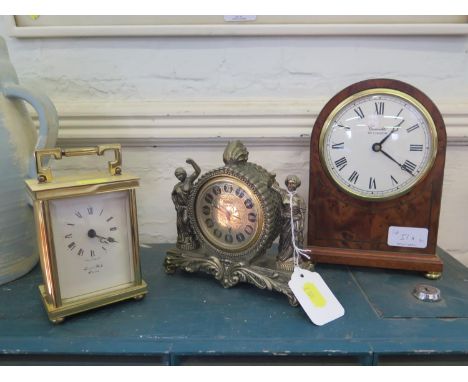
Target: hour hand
[[106, 240]]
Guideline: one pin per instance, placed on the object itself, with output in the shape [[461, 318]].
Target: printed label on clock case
[[410, 237]]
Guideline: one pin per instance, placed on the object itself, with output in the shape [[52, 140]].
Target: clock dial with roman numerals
[[378, 144], [229, 214], [92, 240]]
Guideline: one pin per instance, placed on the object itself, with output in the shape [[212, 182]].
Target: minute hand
[[399, 164], [390, 133]]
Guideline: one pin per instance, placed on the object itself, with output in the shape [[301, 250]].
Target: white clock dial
[[92, 240], [378, 144]]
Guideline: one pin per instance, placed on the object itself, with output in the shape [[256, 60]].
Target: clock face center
[[91, 233], [228, 214], [376, 147]]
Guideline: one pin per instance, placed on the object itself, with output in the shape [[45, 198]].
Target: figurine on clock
[[376, 169], [180, 197], [293, 214]]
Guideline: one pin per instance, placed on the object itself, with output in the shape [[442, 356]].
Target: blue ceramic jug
[[18, 140]]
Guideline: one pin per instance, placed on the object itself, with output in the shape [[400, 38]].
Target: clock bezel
[[374, 92], [260, 213], [267, 229]]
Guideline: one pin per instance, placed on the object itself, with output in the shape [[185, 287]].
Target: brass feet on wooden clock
[[433, 275]]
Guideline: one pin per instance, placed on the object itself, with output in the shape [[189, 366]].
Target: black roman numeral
[[90, 210], [77, 213], [359, 112], [394, 181], [354, 177], [72, 245], [412, 128], [68, 236], [108, 220], [80, 252], [341, 163], [372, 184], [409, 166], [252, 217], [416, 147], [113, 229], [93, 253], [338, 145], [240, 237], [379, 108], [248, 230]]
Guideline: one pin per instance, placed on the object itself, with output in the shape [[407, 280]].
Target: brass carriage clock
[[226, 222], [88, 235]]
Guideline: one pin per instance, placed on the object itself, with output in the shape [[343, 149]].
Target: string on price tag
[[315, 297]]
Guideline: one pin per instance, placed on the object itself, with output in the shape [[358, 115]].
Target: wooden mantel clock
[[376, 173]]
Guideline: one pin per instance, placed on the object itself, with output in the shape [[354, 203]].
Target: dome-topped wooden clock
[[376, 174]]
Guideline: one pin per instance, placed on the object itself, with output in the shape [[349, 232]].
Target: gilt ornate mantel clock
[[88, 234], [233, 214], [376, 173]]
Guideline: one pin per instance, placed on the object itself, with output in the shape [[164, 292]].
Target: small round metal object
[[425, 292]]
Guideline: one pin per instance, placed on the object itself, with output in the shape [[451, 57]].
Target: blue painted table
[[191, 319]]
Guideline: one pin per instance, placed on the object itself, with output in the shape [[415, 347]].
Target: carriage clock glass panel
[[229, 214], [378, 144], [92, 239]]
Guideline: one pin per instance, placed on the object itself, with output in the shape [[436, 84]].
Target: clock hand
[[225, 210], [383, 140], [105, 240], [401, 123], [399, 164]]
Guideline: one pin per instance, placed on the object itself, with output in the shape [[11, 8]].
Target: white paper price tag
[[410, 237], [315, 297]]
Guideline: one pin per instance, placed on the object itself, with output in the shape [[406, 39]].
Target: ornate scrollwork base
[[262, 274]]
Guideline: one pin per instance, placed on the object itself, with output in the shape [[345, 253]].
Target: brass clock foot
[[139, 297], [433, 275], [287, 265], [57, 321]]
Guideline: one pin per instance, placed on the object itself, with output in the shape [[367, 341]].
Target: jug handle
[[47, 115]]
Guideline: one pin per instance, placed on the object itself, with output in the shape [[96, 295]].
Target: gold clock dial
[[228, 214]]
